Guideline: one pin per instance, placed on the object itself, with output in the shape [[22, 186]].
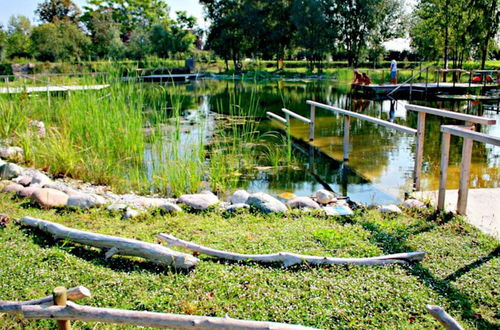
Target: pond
[[381, 160]]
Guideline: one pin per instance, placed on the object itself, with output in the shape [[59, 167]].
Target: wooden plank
[[451, 114], [295, 115], [275, 116], [419, 154], [374, 120], [463, 188], [468, 134], [347, 126], [443, 172]]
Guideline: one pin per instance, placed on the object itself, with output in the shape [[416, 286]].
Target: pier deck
[[430, 88]]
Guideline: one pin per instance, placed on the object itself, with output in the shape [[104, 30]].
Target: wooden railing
[[469, 136]]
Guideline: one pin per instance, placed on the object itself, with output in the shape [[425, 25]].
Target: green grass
[[460, 272]]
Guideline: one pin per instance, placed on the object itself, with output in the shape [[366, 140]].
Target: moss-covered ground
[[460, 273]]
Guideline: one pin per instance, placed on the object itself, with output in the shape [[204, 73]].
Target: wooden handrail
[[374, 120], [295, 115], [275, 116], [451, 114], [473, 135]]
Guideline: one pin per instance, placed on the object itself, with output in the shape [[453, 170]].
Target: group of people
[[361, 78]]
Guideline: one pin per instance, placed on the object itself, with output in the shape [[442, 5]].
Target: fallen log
[[146, 319], [73, 294], [444, 318], [290, 259], [115, 245]]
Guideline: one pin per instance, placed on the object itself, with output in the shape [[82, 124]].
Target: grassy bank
[[460, 272]]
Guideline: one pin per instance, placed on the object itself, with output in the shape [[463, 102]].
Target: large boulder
[[85, 201], [12, 153], [338, 210], [170, 207], [324, 196], [131, 213], [302, 202], [13, 188], [239, 196], [48, 198], [266, 203], [27, 191], [40, 179], [9, 171], [201, 201]]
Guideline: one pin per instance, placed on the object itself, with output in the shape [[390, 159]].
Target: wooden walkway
[[430, 88], [45, 89], [483, 208]]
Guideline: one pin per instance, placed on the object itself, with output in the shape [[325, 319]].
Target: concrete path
[[483, 207]]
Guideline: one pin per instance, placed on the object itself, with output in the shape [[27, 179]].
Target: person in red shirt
[[366, 80], [358, 78]]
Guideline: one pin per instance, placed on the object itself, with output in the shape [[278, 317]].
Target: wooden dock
[[49, 89], [171, 77], [422, 88]]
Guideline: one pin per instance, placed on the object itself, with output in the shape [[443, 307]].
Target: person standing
[[394, 72]]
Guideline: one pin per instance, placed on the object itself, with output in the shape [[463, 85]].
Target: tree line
[[452, 31]]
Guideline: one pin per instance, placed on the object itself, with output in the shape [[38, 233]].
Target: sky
[[27, 8]]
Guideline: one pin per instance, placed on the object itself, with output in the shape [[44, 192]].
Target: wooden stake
[[463, 189], [443, 172], [60, 298], [347, 126], [419, 153], [311, 125]]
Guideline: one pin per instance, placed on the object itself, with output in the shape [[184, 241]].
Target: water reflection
[[381, 160]]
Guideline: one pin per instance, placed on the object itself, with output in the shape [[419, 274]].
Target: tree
[[105, 34], [51, 11], [3, 43], [133, 14], [59, 41], [486, 25], [18, 36]]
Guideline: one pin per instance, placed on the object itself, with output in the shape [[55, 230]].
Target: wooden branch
[[290, 259], [146, 319], [76, 293], [444, 318], [117, 245]]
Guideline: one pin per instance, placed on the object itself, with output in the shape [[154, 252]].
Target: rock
[[47, 198], [201, 201], [338, 210], [85, 201], [40, 179], [9, 171], [24, 180], [324, 196], [413, 203], [170, 207], [2, 162], [62, 187], [389, 209], [302, 202], [12, 153], [235, 207], [4, 183], [266, 203], [239, 196], [116, 207], [38, 127], [13, 188], [150, 202], [130, 213], [27, 191]]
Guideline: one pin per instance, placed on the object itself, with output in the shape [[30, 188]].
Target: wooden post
[[443, 172], [7, 83], [463, 189], [419, 153], [48, 92], [470, 78], [59, 295], [347, 125], [311, 125], [438, 72], [426, 79], [411, 83], [383, 77]]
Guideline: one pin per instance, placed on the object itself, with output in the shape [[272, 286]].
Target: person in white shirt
[[394, 72]]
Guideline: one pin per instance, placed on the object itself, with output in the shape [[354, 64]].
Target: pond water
[[381, 159]]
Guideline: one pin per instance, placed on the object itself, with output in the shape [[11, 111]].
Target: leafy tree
[[3, 43], [59, 41], [18, 36], [105, 34], [139, 44], [51, 11], [132, 14], [486, 25]]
